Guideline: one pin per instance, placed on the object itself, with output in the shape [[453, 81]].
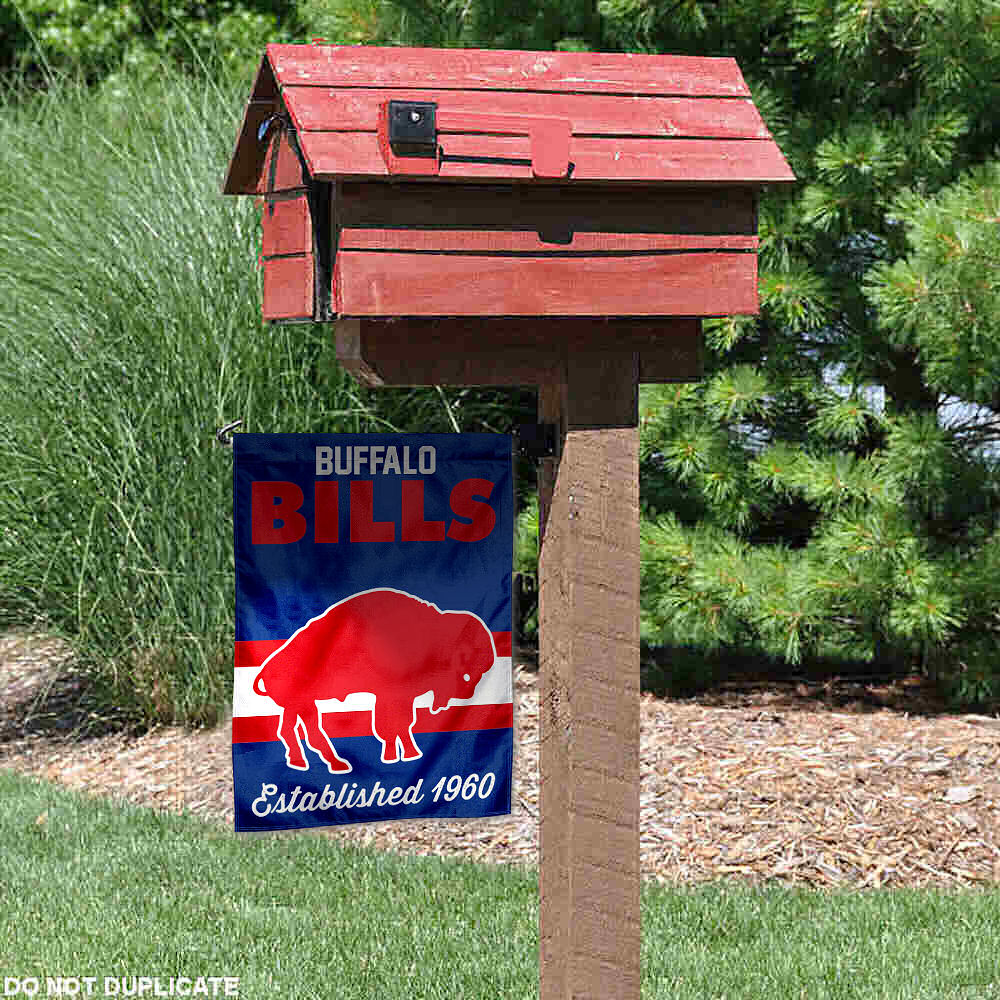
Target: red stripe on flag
[[502, 641], [253, 652], [462, 717], [264, 728]]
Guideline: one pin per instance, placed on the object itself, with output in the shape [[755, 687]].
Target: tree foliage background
[[831, 489], [94, 39]]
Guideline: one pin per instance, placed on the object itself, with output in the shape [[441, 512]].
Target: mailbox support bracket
[[509, 350], [536, 441]]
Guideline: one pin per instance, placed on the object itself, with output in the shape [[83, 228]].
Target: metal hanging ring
[[224, 435]]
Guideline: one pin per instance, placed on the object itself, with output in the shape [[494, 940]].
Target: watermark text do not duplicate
[[121, 986]]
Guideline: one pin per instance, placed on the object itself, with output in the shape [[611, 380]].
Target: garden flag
[[373, 628]]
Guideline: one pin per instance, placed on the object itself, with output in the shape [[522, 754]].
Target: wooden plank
[[599, 936], [288, 288], [418, 351], [323, 109], [499, 69], [670, 284], [247, 163], [557, 213], [717, 161], [447, 334], [500, 241], [602, 392], [676, 98], [526, 367], [248, 155], [286, 227], [485, 157], [589, 925]]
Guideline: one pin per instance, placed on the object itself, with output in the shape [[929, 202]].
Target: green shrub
[[90, 39], [132, 331]]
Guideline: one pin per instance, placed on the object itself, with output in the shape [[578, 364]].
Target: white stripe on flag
[[493, 689]]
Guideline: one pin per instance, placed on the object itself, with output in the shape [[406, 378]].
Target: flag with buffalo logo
[[373, 628]]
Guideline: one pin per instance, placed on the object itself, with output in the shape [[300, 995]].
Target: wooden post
[[589, 662]]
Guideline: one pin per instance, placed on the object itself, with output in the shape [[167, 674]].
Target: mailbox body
[[549, 184]]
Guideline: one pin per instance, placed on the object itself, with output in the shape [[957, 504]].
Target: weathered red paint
[[287, 228], [288, 287], [573, 129], [468, 285], [282, 168], [485, 241], [341, 109], [505, 69], [627, 159]]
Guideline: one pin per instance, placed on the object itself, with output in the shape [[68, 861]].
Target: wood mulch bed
[[849, 785]]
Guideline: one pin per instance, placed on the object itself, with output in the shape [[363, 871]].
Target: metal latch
[[412, 135], [413, 128]]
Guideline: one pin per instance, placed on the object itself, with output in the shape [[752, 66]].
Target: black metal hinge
[[536, 441]]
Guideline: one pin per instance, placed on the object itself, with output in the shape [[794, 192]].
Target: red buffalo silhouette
[[384, 642]]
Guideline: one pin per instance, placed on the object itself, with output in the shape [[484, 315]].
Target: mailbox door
[[434, 249]]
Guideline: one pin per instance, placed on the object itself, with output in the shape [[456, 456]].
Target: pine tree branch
[[978, 439], [978, 429]]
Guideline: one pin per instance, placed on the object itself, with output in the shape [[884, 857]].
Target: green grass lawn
[[92, 889]]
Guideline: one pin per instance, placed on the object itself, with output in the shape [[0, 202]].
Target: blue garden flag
[[373, 628]]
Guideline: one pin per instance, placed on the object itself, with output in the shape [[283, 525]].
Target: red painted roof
[[633, 118]]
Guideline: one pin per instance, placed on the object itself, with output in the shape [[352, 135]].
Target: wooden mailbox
[[503, 218], [459, 183]]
